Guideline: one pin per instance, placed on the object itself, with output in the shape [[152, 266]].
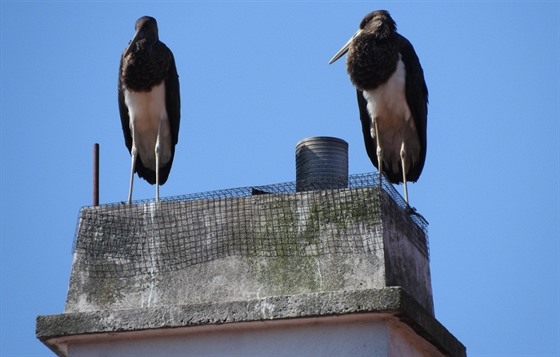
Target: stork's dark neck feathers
[[374, 53], [145, 66], [371, 62]]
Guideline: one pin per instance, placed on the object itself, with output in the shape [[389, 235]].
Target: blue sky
[[254, 81]]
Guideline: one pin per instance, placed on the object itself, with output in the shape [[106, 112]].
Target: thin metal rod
[[96, 174]]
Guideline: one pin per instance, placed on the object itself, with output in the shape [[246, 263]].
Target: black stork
[[149, 104], [392, 97]]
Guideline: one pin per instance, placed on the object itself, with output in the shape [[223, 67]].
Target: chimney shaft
[[321, 163]]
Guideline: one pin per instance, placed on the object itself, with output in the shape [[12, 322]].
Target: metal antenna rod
[[96, 174]]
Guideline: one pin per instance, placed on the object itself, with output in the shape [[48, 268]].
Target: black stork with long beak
[[149, 104], [392, 97]]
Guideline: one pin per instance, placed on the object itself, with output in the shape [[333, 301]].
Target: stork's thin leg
[[157, 152], [379, 154], [404, 168], [133, 155]]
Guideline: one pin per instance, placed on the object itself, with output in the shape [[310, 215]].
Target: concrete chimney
[[340, 272]]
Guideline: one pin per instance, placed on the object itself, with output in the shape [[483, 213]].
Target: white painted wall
[[360, 335]]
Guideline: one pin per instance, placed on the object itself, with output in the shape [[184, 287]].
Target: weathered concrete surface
[[58, 331], [246, 248], [406, 254]]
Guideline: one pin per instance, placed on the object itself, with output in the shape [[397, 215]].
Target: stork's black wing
[[173, 98], [417, 99], [123, 110], [173, 108]]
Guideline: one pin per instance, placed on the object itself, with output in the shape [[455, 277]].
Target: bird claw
[[411, 211]]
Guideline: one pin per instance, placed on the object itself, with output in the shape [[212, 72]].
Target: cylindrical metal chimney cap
[[321, 163]]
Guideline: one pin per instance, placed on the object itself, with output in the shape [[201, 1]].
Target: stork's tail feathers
[[150, 175]]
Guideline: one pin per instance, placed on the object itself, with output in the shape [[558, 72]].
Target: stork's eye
[[366, 21]]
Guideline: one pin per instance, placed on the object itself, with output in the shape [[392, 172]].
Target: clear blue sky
[[254, 81]]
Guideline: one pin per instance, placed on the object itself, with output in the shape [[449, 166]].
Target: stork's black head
[[377, 25], [379, 22], [146, 30], [372, 52], [147, 26]]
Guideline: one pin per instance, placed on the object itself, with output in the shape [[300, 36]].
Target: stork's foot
[[411, 211]]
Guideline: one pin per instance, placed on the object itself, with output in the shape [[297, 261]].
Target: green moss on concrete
[[103, 292], [292, 231]]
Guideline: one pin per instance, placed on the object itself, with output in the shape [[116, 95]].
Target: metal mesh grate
[[260, 221]]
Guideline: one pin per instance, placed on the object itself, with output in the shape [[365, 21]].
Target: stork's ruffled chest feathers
[[371, 61], [146, 67]]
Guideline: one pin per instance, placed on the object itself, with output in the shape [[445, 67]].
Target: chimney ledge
[[56, 331]]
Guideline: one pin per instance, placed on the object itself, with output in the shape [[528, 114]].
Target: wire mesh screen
[[261, 221]]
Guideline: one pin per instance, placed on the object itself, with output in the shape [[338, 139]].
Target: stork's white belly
[[146, 110], [387, 105]]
